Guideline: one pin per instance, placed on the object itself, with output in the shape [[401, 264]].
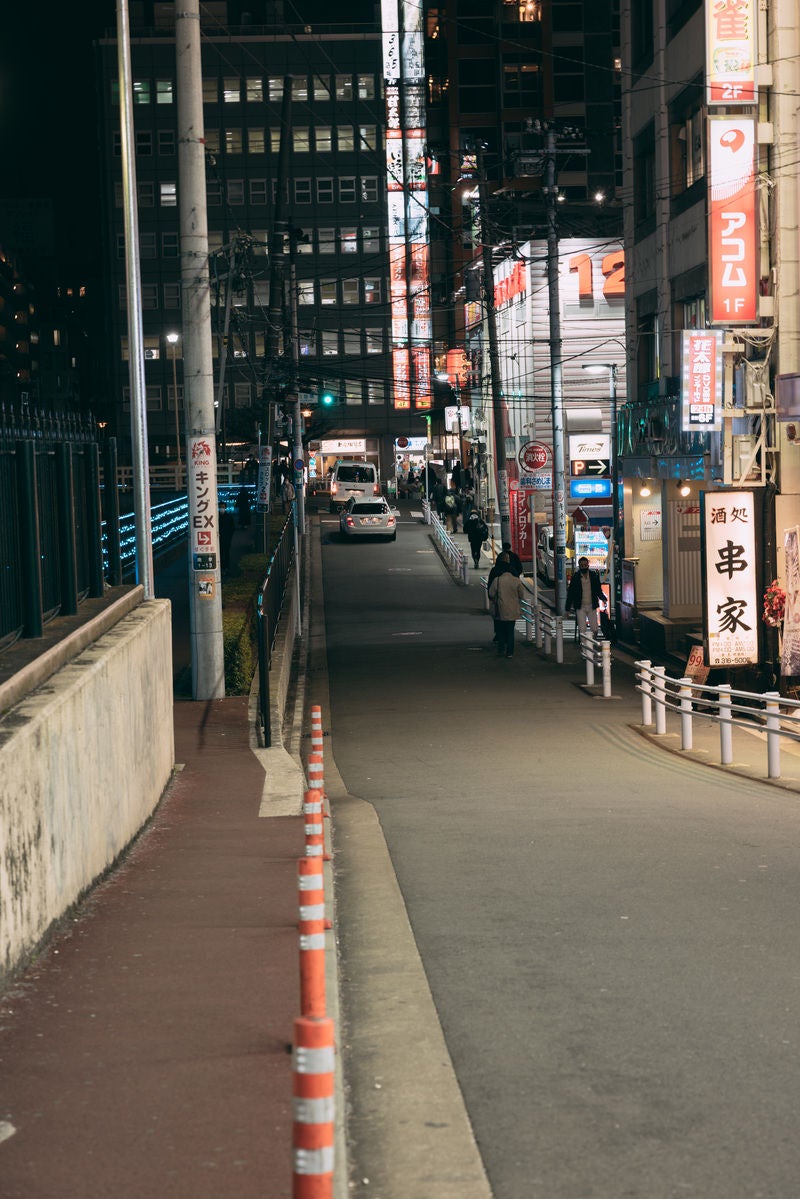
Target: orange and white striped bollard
[[316, 729], [311, 927], [316, 773], [313, 1101]]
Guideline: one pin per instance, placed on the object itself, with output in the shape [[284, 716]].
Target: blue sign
[[584, 489]]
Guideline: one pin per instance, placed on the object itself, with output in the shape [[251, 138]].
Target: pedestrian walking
[[452, 507], [477, 531], [287, 494], [506, 591], [438, 493], [585, 595]]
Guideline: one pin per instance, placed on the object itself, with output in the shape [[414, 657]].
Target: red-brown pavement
[[145, 1052]]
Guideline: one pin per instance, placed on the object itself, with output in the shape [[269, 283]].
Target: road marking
[[6, 1130], [407, 634]]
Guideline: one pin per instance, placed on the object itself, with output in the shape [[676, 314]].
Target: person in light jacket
[[506, 590]]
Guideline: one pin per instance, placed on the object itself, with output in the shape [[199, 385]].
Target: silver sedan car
[[368, 518]]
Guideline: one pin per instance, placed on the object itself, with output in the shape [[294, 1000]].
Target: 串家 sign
[[731, 611]]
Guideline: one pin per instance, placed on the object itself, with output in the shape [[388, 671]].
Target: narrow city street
[[607, 930]]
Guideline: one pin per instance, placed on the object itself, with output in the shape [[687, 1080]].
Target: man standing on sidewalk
[[585, 595]]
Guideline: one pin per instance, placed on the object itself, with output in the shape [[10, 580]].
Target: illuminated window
[[141, 91], [233, 141], [305, 291], [369, 189], [349, 240], [366, 87], [352, 341], [327, 291], [370, 240], [163, 91], [330, 343], [375, 389], [210, 91], [212, 140], [345, 137], [254, 89], [275, 88], [255, 141], [275, 140], [350, 291], [168, 194], [300, 139], [231, 90], [326, 241], [367, 137], [323, 138], [372, 291], [322, 87], [374, 341], [344, 87], [307, 340], [300, 87]]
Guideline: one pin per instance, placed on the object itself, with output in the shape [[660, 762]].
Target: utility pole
[[557, 400], [296, 235], [205, 598], [133, 282], [494, 356]]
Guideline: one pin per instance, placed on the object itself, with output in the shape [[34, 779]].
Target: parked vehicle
[[350, 480], [368, 518], [546, 552]]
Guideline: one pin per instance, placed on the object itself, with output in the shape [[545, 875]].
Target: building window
[[141, 91], [236, 191], [172, 295], [642, 34], [275, 88], [327, 291], [231, 90], [375, 392], [324, 190], [374, 341], [307, 341], [366, 87], [345, 137], [147, 245], [307, 246], [117, 145], [171, 398], [344, 87], [242, 395], [150, 296], [214, 191], [302, 191], [210, 94], [285, 189], [349, 238], [347, 189], [330, 343], [163, 91], [254, 89], [260, 238], [168, 194], [233, 141], [255, 141], [322, 87], [352, 341], [146, 193], [122, 296], [372, 291], [144, 143], [258, 191], [275, 140], [521, 83], [687, 140], [153, 397], [323, 139], [166, 141], [367, 137], [214, 241], [115, 92], [369, 189], [212, 140], [305, 291], [644, 180], [301, 142], [349, 291], [352, 391], [300, 88], [169, 245], [370, 240], [326, 241], [118, 194]]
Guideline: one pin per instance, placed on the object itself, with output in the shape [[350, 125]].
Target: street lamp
[[173, 339], [599, 368]]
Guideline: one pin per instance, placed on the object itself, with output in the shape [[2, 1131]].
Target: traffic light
[[327, 399]]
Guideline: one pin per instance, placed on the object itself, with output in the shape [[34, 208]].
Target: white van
[[359, 479]]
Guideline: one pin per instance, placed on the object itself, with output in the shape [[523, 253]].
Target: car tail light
[[351, 524], [334, 488], [376, 490], [390, 521]]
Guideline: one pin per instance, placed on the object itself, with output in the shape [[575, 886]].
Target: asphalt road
[[609, 932]]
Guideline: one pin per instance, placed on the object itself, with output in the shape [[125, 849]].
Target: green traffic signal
[[328, 399]]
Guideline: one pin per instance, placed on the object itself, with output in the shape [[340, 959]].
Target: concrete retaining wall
[[76, 781]]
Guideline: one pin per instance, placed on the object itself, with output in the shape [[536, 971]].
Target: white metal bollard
[[725, 724], [685, 692], [589, 656], [660, 695], [773, 709], [539, 630], [605, 651], [647, 690], [559, 639]]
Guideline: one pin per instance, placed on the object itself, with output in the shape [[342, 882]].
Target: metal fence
[[777, 716], [454, 557], [50, 541], [269, 605]]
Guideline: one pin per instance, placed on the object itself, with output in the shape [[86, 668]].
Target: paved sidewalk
[[145, 1052]]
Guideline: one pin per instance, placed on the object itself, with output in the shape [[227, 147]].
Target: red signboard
[[732, 238], [701, 383], [731, 51], [521, 531], [533, 456]]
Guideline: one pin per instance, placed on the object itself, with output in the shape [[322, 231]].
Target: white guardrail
[[777, 716], [455, 558]]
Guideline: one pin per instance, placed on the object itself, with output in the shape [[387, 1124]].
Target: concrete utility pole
[[205, 598], [133, 281], [296, 235], [557, 400], [494, 357]]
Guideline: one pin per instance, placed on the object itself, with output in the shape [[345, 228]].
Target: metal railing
[[596, 652], [455, 558], [269, 604], [777, 716]]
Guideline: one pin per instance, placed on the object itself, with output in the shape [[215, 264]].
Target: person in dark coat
[[514, 559], [477, 531], [438, 492], [585, 595]]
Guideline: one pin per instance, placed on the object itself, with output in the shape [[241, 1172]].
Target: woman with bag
[[506, 589]]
